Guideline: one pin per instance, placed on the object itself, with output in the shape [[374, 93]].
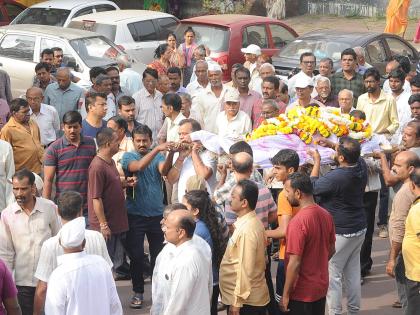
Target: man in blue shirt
[[96, 108], [144, 204]]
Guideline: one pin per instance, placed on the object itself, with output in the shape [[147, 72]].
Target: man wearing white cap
[[304, 87], [232, 122], [251, 54], [209, 102], [307, 67], [82, 283]]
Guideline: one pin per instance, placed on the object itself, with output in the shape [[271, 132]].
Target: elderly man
[[209, 102], [251, 54], [266, 70], [129, 79], [44, 115], [304, 87], [326, 67], [247, 96], [64, 95], [194, 88], [323, 88], [163, 84], [362, 65], [345, 101], [307, 66]]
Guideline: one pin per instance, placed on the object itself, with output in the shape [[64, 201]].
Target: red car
[[9, 9], [226, 34]]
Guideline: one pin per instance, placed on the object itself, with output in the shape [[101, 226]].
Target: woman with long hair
[[209, 227], [177, 58], [161, 62]]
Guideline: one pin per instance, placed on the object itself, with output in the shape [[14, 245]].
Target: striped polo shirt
[[71, 164], [265, 205]]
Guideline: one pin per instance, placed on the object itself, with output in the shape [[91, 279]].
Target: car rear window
[[42, 16], [107, 30], [216, 38], [320, 48]]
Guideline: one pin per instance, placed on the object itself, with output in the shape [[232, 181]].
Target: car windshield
[[214, 37], [106, 30], [42, 16], [320, 48], [96, 51]]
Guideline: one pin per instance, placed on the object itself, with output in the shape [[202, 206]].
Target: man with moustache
[[323, 88], [175, 76], [24, 226], [117, 91], [266, 70], [247, 96], [96, 108], [127, 110], [307, 66], [195, 87]]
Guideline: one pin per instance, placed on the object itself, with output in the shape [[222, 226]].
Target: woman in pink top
[[8, 292]]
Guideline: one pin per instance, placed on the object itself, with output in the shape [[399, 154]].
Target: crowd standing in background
[[88, 176]]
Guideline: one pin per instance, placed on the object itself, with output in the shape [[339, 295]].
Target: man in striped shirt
[[68, 159]]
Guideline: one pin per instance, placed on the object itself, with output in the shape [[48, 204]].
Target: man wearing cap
[[82, 283], [304, 87], [209, 102], [232, 122], [307, 66], [251, 54]]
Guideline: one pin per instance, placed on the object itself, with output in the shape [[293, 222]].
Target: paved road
[[378, 292]]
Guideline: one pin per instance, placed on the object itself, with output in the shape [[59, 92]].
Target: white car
[[138, 32], [60, 12], [20, 50]]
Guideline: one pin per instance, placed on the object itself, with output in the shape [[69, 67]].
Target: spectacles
[[265, 114], [308, 62]]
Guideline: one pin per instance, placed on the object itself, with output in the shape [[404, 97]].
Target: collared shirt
[[242, 271], [51, 250], [173, 126], [22, 235], [37, 82], [411, 244], [355, 84], [235, 128], [4, 112], [381, 114], [126, 145], [63, 100], [71, 164], [82, 284], [122, 91], [179, 273], [194, 88], [404, 116], [7, 170], [208, 106], [292, 82], [149, 111], [5, 87], [247, 101], [48, 123], [26, 144], [331, 100], [401, 204], [181, 90], [387, 88], [131, 80]]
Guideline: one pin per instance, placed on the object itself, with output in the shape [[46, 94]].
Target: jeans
[[383, 203], [370, 199], [307, 308], [344, 266], [26, 299], [412, 289], [140, 226], [400, 279], [115, 246]]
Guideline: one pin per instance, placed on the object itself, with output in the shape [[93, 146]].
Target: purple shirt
[[7, 286], [4, 112]]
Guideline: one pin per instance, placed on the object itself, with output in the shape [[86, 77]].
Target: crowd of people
[[89, 177]]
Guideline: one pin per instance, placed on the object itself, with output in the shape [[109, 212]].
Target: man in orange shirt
[[285, 162]]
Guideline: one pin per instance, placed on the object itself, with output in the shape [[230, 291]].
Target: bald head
[[63, 77], [34, 96], [242, 163], [179, 226], [408, 157], [405, 162], [34, 91]]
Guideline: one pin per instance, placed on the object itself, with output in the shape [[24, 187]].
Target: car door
[[165, 26], [257, 34], [280, 36], [376, 54], [144, 41], [18, 60], [398, 47]]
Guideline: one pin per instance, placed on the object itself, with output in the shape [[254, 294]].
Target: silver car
[[21, 46]]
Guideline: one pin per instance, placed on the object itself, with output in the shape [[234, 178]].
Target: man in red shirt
[[310, 236]]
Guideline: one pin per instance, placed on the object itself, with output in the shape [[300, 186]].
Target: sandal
[[397, 304], [136, 301]]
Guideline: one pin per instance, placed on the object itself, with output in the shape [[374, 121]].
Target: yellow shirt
[[242, 271], [381, 114], [411, 244], [26, 144]]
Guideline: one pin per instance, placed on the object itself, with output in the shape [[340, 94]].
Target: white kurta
[[235, 128], [7, 169], [181, 273], [82, 284]]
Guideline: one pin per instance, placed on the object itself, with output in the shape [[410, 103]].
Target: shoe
[[383, 231], [121, 277], [136, 301], [221, 306], [397, 304]]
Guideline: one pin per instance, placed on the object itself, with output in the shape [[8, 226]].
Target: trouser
[[140, 226], [400, 280], [383, 203], [412, 289], [272, 306], [214, 300], [251, 310], [280, 279], [307, 308], [370, 200], [26, 299], [344, 266], [115, 246]]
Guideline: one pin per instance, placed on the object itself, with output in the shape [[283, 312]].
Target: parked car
[[138, 32], [20, 50], [9, 9], [226, 34], [60, 12], [330, 43]]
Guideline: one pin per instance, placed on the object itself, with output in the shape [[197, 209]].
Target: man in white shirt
[[266, 70], [345, 101], [307, 66], [148, 103], [24, 226], [187, 270], [46, 116], [195, 87], [129, 79], [251, 54], [193, 159], [7, 169], [171, 108], [232, 122], [398, 62], [82, 283], [209, 102], [70, 207]]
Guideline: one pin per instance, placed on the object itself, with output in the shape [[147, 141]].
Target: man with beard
[[175, 77], [323, 88], [24, 226], [117, 91], [127, 110], [247, 96]]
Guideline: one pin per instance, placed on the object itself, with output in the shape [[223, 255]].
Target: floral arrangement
[[310, 121]]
